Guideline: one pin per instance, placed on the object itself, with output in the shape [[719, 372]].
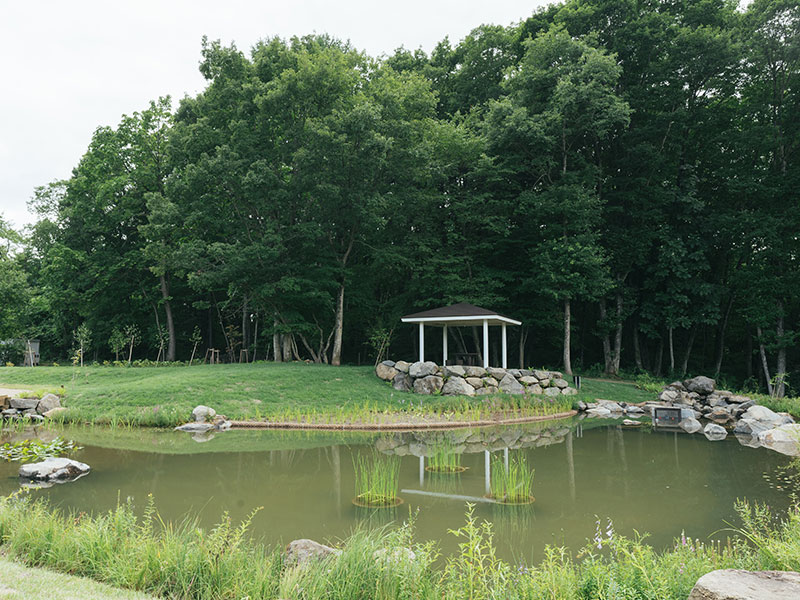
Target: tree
[[83, 337], [117, 342]]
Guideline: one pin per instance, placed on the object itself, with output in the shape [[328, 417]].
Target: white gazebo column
[[444, 345], [505, 347], [421, 342], [485, 343]]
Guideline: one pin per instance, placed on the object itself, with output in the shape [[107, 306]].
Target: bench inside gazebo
[[462, 315]]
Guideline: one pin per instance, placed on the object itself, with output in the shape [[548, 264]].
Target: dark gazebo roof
[[459, 314]]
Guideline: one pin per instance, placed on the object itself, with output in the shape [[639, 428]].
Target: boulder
[[541, 375], [24, 403], [455, 371], [677, 385], [48, 402], [202, 413], [490, 382], [401, 382], [735, 584], [690, 425], [749, 427], [10, 412], [402, 366], [528, 380], [552, 392], [458, 386], [515, 373], [475, 372], [475, 382], [302, 552], [422, 369], [429, 384], [559, 383], [386, 372], [594, 412], [568, 391], [535, 389], [765, 416], [54, 469], [610, 406], [668, 395], [700, 385], [510, 385], [54, 412], [714, 432], [496, 372], [720, 415], [195, 427], [784, 439], [544, 382]]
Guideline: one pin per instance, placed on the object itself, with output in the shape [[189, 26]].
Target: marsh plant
[[377, 480], [445, 459], [512, 485], [33, 450]]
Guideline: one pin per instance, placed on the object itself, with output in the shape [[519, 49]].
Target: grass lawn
[[18, 582], [163, 396]]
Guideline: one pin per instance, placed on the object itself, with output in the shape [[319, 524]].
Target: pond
[[658, 482]]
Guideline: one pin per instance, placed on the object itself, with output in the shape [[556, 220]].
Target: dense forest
[[620, 175]]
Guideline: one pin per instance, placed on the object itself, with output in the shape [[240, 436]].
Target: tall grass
[[512, 485], [184, 561], [445, 459], [377, 480]]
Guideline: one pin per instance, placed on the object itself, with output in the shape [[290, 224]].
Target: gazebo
[[461, 315]]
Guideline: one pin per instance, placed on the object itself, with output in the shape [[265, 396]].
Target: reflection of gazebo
[[461, 315]]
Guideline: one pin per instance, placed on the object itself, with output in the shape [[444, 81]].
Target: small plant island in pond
[[377, 481], [445, 459], [512, 485]]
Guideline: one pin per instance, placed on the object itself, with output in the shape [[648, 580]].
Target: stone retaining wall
[[457, 380]]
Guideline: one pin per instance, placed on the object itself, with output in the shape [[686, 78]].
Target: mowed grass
[[165, 396], [18, 582]]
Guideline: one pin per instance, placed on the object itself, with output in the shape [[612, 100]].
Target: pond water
[[650, 481]]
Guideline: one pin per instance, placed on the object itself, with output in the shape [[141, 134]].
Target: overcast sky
[[71, 66]]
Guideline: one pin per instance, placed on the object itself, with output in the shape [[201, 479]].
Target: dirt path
[[14, 392]]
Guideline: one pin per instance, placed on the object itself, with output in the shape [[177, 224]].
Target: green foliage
[[377, 479], [34, 450], [445, 458], [512, 485]]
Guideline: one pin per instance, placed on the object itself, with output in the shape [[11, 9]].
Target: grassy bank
[[184, 561], [19, 582], [165, 396]]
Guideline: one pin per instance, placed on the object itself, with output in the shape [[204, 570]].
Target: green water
[[656, 482]]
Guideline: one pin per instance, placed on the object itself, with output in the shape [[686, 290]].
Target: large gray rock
[[24, 403], [430, 384], [54, 412], [735, 584], [528, 380], [196, 427], [202, 414], [422, 369], [541, 375], [490, 382], [613, 407], [54, 469], [701, 385], [458, 386], [475, 371], [401, 382], [48, 402], [510, 385], [544, 382], [535, 389], [475, 382], [559, 383], [593, 412], [301, 552], [552, 392], [455, 371], [690, 425], [402, 366], [714, 432], [765, 416], [749, 427], [385, 371], [784, 439], [568, 391], [496, 372]]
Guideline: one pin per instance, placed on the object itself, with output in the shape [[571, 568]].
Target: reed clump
[[377, 480], [445, 459], [512, 485]]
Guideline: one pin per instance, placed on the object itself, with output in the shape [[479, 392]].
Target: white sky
[[70, 66]]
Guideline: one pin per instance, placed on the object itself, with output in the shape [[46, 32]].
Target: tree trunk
[[170, 322], [567, 327], [276, 340], [608, 360], [245, 325], [764, 364], [336, 356], [659, 357], [637, 351], [780, 374], [286, 340], [721, 338], [685, 363], [618, 334], [523, 337], [748, 371], [671, 353]]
